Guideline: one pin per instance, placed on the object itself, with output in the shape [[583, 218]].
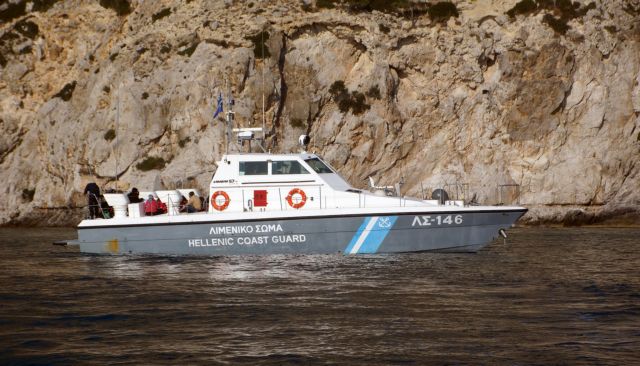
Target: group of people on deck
[[98, 207], [153, 205]]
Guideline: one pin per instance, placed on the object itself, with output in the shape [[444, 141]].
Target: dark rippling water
[[548, 296]]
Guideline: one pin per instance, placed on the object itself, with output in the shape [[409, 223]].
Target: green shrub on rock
[[296, 123], [357, 103], [151, 163], [354, 101], [523, 7], [161, 14], [121, 7], [110, 135], [374, 92], [442, 11], [559, 25], [557, 12], [326, 4]]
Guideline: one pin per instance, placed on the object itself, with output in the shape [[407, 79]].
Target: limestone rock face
[[481, 100]]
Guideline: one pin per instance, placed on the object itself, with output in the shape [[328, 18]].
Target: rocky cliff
[[540, 94]]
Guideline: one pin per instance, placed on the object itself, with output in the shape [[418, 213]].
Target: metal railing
[[319, 197], [508, 194], [455, 192], [98, 208], [458, 191], [504, 194]]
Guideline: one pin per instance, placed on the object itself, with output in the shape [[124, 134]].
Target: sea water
[[545, 296]]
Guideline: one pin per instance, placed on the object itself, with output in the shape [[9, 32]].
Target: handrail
[[502, 187], [104, 214], [318, 199]]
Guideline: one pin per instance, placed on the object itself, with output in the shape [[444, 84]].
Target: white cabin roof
[[268, 156]]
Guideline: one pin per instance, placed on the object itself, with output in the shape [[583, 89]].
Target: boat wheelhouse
[[281, 182]]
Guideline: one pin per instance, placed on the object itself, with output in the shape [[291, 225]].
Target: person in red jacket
[[161, 207], [150, 206]]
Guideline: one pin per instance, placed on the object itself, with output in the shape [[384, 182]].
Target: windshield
[[287, 167], [253, 168], [318, 166]]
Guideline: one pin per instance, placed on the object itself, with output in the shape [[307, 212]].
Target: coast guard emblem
[[384, 222]]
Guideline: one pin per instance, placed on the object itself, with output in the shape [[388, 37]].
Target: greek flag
[[219, 109]]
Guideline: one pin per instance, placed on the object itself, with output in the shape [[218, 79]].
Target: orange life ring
[[222, 206], [303, 199]]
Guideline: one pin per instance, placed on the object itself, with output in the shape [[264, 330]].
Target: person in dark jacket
[[92, 192], [134, 196], [183, 204]]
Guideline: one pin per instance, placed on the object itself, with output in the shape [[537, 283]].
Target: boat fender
[[220, 206], [303, 199]]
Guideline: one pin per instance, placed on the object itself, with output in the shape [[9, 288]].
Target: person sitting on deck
[[161, 208], [150, 206], [183, 204], [134, 196], [194, 204], [92, 191]]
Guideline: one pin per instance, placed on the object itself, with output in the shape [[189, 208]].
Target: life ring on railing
[[300, 202], [220, 206]]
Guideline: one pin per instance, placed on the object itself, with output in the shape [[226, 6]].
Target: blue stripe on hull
[[377, 235], [370, 235], [357, 235]]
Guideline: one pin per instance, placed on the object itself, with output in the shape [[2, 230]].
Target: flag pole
[[117, 132], [263, 104]]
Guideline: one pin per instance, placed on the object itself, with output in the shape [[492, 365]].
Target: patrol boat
[[262, 203]]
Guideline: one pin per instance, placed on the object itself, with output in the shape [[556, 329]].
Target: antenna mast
[[117, 125], [263, 112], [230, 118]]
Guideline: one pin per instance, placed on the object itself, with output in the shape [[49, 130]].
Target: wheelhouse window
[[318, 166], [254, 168], [287, 167]]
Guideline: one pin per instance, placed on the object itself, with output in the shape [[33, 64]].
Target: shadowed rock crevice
[[66, 92], [317, 27], [10, 149], [283, 84], [11, 10]]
